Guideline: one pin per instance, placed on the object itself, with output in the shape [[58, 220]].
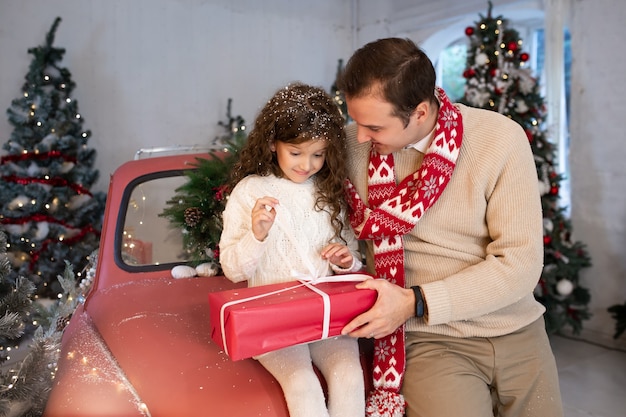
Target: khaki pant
[[507, 376]]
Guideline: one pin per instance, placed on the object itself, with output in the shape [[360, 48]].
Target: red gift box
[[250, 321]]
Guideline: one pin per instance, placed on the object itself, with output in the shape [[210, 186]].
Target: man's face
[[376, 123]]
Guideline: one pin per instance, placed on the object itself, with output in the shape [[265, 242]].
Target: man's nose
[[362, 135]]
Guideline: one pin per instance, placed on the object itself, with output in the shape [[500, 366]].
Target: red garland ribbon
[[55, 182], [35, 255], [40, 156], [43, 218], [36, 218]]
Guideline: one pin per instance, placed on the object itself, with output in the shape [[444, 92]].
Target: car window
[[149, 239]]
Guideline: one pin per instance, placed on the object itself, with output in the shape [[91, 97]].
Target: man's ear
[[422, 111]]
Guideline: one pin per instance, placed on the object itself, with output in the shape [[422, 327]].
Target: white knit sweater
[[292, 248]]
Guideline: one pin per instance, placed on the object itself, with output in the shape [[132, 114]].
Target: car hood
[[158, 333]]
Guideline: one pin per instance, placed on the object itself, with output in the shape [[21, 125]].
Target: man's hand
[[394, 306]]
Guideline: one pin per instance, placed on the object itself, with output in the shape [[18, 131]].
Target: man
[[447, 198]]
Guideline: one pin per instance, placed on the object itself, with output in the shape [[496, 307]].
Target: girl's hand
[[338, 254], [263, 215]]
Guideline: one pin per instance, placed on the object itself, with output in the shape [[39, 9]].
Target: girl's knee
[[348, 377], [300, 382]]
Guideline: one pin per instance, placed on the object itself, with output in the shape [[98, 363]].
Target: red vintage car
[[139, 345]]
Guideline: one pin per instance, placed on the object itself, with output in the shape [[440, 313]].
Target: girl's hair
[[295, 114], [396, 69]]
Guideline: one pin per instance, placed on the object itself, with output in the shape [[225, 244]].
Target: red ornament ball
[[469, 31], [547, 240], [554, 190], [469, 73], [512, 46], [524, 57]]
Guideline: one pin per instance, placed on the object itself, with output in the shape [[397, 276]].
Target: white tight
[[337, 359]]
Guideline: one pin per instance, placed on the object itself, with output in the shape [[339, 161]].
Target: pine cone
[[61, 322], [193, 215]]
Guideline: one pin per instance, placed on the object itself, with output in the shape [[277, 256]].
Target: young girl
[[285, 220]]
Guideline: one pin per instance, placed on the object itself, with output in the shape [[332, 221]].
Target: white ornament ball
[[521, 107], [17, 229], [564, 287], [67, 167], [78, 201], [548, 226], [43, 228], [18, 202], [183, 271], [481, 59]]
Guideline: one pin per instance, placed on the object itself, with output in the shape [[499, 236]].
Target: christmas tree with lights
[[25, 382], [498, 79], [337, 95], [47, 210]]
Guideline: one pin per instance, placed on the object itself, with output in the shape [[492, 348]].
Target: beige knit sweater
[[477, 252]]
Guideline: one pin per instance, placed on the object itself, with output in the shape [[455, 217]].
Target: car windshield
[[149, 239]]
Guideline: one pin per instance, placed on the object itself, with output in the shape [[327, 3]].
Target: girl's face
[[300, 162]]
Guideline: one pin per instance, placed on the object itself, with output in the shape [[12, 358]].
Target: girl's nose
[[305, 164]]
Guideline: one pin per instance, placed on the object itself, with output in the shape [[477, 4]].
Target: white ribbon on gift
[[307, 282]]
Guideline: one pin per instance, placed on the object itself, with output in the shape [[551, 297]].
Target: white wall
[[160, 72], [598, 154]]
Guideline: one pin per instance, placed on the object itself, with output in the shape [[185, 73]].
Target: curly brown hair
[[295, 114]]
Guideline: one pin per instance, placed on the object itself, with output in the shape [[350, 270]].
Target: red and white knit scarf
[[394, 211]]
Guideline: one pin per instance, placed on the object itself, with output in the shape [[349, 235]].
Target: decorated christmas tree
[[337, 95], [26, 383], [15, 304], [47, 210], [498, 78]]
